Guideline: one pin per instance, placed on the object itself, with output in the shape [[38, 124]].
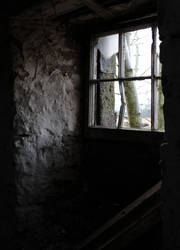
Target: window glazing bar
[[153, 80], [138, 78]]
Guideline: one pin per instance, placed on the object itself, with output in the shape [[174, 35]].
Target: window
[[125, 81]]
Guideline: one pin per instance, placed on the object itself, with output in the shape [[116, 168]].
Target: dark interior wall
[[47, 70], [7, 187], [47, 125], [169, 20], [120, 168]]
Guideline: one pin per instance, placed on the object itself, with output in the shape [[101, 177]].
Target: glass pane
[[159, 108], [159, 65], [105, 57], [138, 105], [123, 105], [137, 53]]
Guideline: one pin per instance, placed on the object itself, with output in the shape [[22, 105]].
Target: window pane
[[138, 105], [105, 57], [105, 114], [125, 105], [159, 107], [159, 65], [119, 103], [137, 53]]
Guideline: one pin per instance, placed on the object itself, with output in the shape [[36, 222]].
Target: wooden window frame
[[121, 78], [92, 131]]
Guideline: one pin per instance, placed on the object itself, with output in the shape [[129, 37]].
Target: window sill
[[127, 135]]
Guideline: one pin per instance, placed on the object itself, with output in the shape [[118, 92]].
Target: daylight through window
[[125, 81]]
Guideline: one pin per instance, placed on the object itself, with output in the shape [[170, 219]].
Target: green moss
[[132, 102]]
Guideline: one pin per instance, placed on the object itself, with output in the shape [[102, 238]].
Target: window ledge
[[128, 135]]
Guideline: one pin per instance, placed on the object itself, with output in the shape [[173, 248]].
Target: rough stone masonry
[[47, 125]]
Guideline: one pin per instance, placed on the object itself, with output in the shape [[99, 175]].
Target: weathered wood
[[153, 81], [121, 84], [123, 105], [138, 78], [124, 213], [98, 9], [135, 229]]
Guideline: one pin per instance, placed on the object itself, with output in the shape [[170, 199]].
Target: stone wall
[[47, 124]]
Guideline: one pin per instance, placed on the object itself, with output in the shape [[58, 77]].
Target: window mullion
[[121, 55], [91, 110], [121, 75], [153, 81], [98, 87]]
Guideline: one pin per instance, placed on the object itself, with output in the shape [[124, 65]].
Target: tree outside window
[[125, 81]]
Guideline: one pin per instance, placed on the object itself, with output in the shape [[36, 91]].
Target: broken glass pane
[[137, 53], [106, 57]]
